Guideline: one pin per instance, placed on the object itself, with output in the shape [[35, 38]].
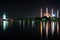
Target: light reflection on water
[[43, 25], [33, 24], [5, 24], [20, 22], [54, 28]]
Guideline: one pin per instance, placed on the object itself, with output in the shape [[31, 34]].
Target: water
[[33, 30]]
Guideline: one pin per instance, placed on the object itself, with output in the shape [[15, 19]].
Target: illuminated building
[[53, 20]]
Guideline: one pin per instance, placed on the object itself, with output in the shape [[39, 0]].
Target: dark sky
[[25, 8]]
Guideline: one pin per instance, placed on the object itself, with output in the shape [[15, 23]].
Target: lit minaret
[[46, 10], [46, 14], [57, 22], [57, 13], [52, 12], [41, 12]]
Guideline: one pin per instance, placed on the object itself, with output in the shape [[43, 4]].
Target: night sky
[[25, 8]]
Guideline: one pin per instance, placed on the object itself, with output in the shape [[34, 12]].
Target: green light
[[54, 18], [43, 18]]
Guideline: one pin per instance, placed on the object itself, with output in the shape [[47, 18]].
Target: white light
[[57, 13], [53, 15], [41, 12], [4, 22], [32, 24], [46, 10], [52, 27], [4, 16]]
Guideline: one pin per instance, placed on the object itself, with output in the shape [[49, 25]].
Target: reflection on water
[[33, 23], [44, 26], [47, 29], [52, 27], [20, 22], [23, 23], [28, 23], [57, 28], [5, 24], [41, 28]]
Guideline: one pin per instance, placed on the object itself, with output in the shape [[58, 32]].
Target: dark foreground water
[[16, 32]]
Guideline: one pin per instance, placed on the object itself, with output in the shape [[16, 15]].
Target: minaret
[[46, 10], [57, 13], [41, 12], [52, 12], [47, 14]]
